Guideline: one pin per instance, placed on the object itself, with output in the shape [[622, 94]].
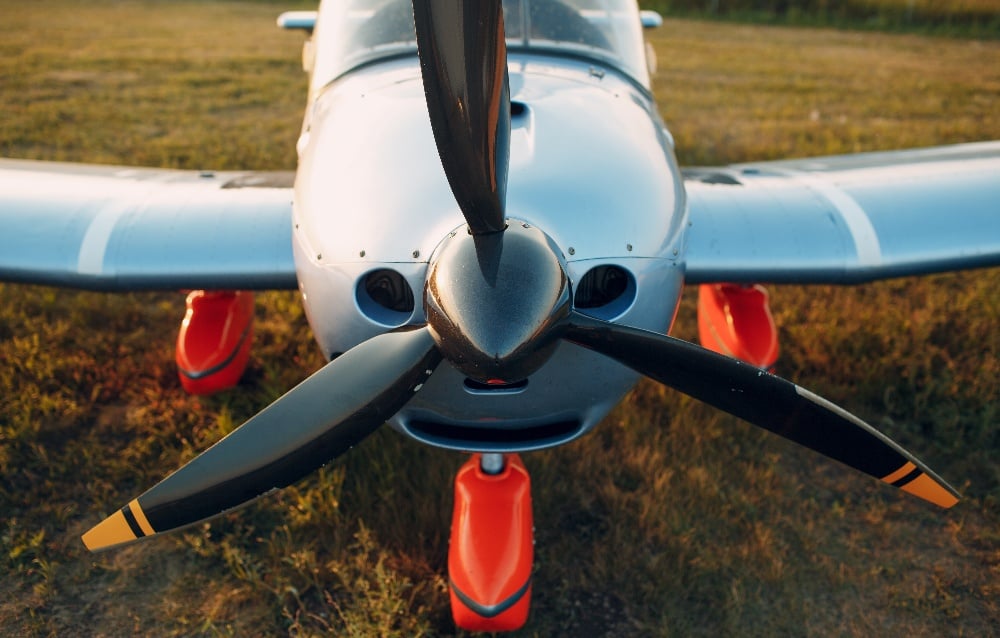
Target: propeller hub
[[493, 300]]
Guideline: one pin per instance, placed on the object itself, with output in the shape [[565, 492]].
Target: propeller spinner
[[497, 303]]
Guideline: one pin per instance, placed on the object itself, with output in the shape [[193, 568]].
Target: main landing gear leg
[[213, 346], [491, 551]]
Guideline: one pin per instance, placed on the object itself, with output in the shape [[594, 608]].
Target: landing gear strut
[[491, 551]]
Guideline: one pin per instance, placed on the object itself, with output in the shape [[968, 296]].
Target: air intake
[[604, 292], [385, 297]]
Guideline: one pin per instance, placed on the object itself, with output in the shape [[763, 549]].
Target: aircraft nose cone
[[492, 300]]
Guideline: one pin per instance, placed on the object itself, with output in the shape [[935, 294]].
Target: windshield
[[355, 32]]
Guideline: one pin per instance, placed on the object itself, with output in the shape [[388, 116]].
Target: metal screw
[[572, 250], [416, 253], [628, 247], [362, 253]]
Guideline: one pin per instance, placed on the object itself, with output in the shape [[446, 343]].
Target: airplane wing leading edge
[[845, 219], [116, 228]]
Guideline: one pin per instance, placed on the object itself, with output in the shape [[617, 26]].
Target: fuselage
[[590, 165]]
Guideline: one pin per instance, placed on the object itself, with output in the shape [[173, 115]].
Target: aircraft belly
[[564, 399]]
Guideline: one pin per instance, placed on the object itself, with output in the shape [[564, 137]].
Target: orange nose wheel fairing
[[213, 346], [491, 551]]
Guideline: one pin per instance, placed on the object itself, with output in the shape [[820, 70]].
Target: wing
[[845, 219], [115, 228]]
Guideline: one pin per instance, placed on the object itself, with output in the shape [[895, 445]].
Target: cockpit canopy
[[352, 33]]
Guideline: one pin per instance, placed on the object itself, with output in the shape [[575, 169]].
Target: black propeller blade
[[313, 423], [463, 59], [763, 400]]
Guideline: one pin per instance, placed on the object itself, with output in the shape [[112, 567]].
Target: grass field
[[959, 18], [668, 519]]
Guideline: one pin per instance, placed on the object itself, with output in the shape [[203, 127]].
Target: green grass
[[668, 519], [957, 18]]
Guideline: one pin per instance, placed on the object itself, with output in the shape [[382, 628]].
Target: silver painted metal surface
[[846, 219], [116, 228], [635, 201]]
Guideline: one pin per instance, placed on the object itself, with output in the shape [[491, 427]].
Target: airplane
[[490, 233]]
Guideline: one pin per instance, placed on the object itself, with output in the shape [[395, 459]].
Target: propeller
[[314, 422], [463, 60], [497, 301], [764, 400]]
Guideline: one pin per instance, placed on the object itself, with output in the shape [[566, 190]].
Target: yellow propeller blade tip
[[910, 479], [928, 489], [114, 530]]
